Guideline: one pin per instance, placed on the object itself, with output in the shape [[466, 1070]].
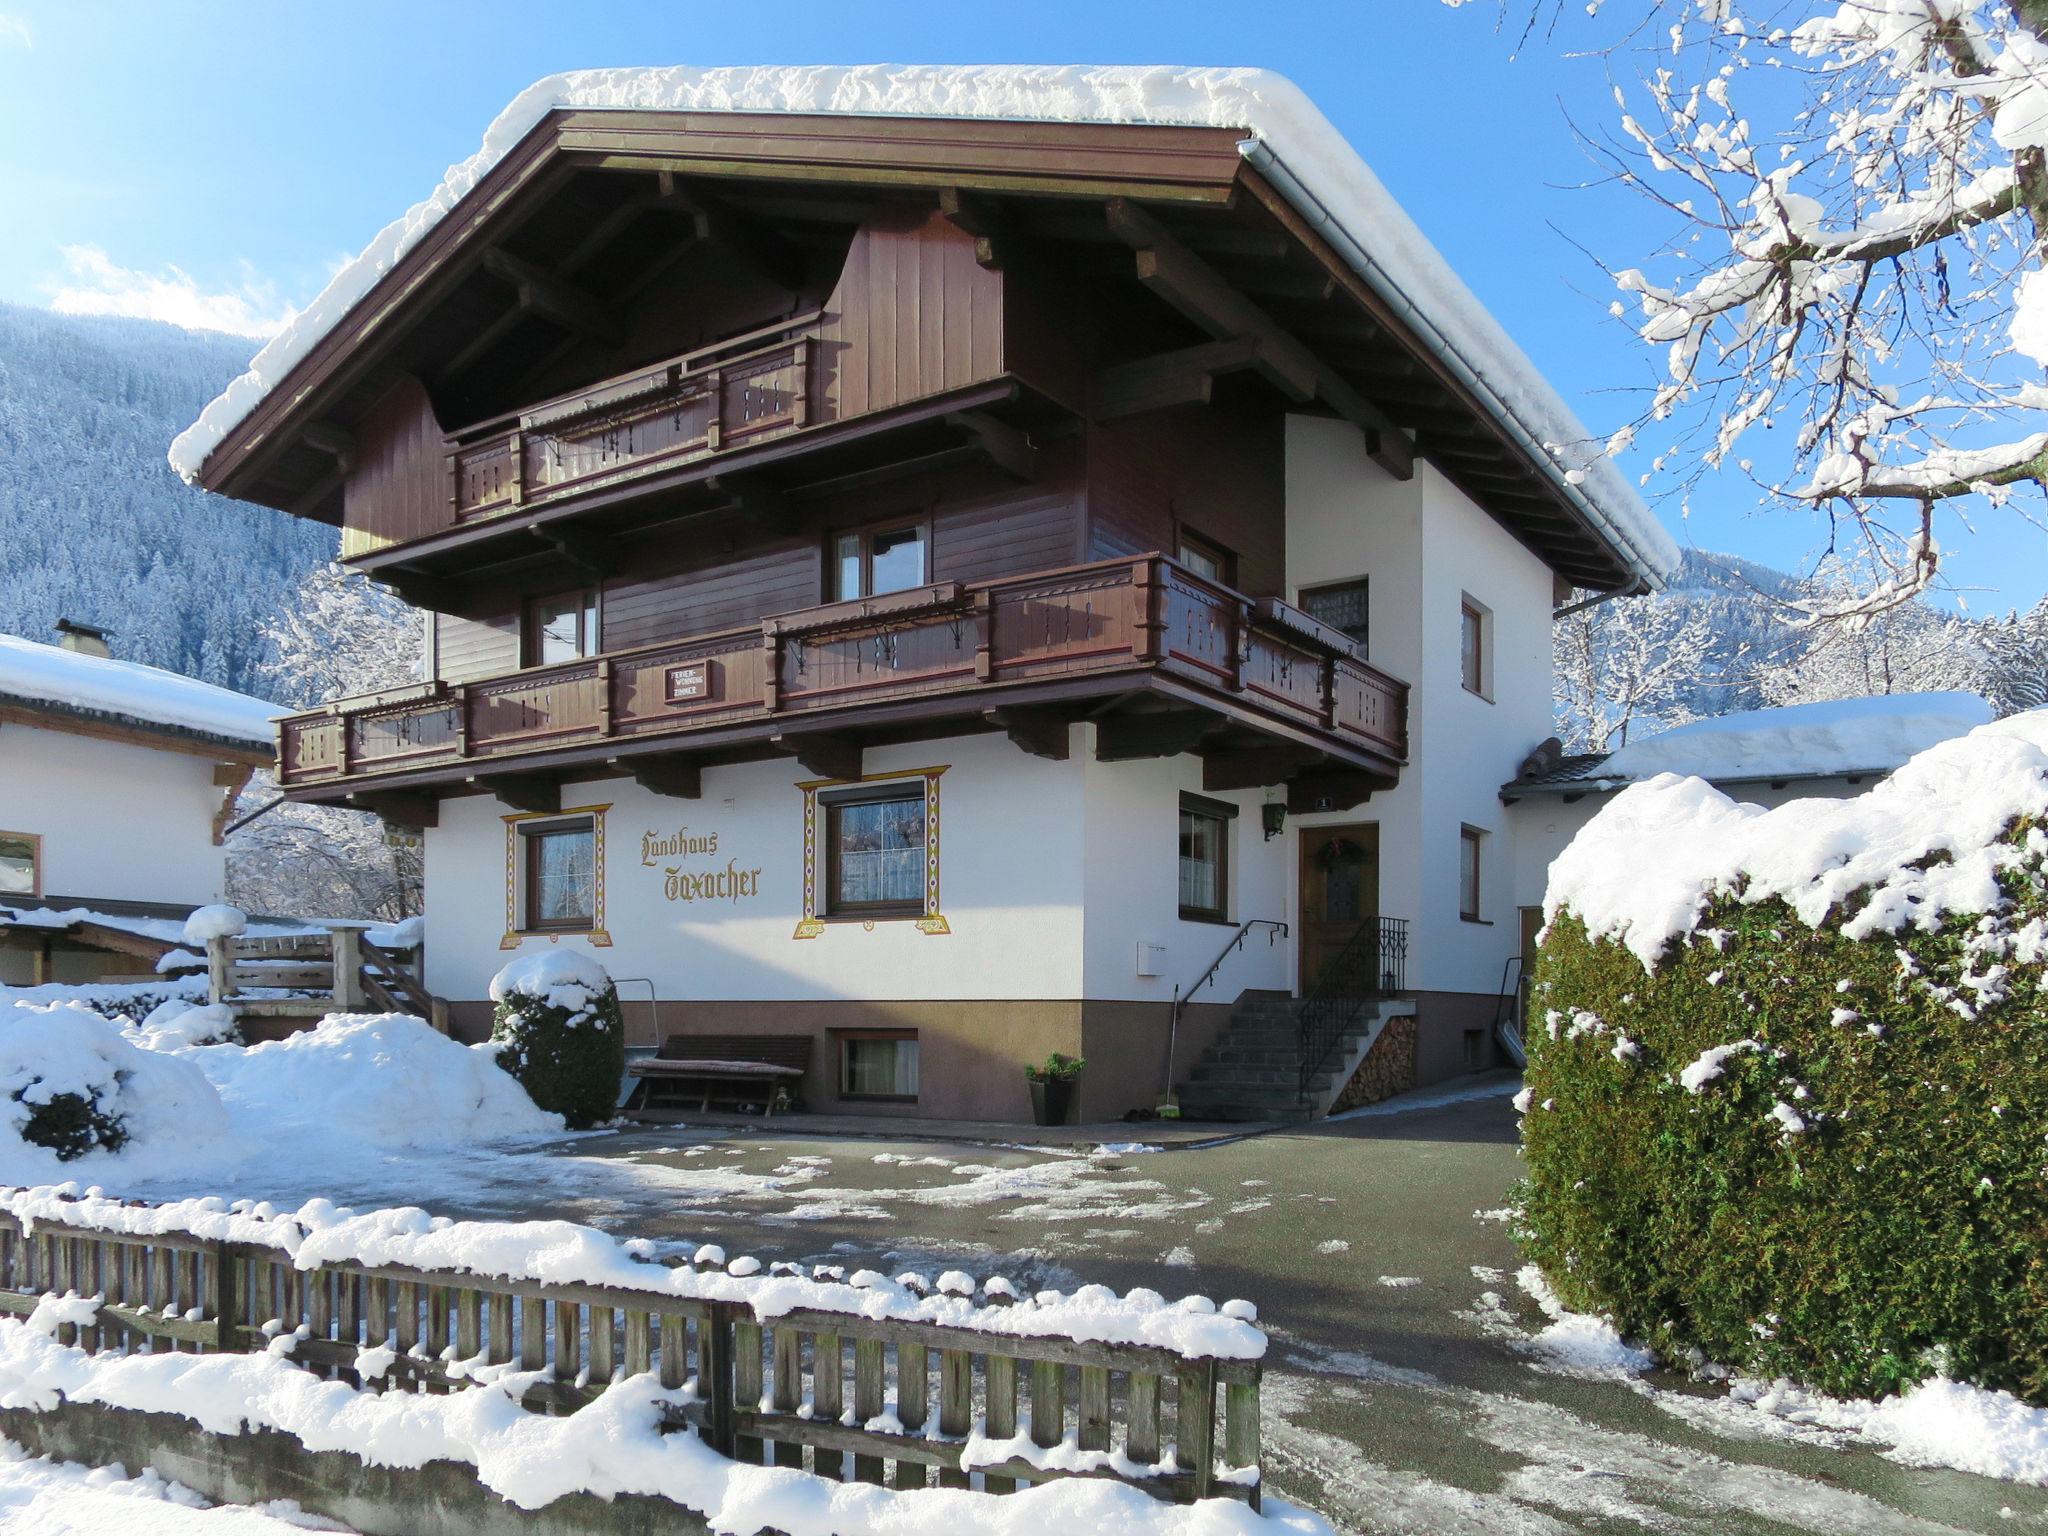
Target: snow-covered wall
[[118, 821]]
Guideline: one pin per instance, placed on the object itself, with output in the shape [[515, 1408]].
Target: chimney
[[82, 638]]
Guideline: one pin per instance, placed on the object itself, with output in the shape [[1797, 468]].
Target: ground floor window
[[554, 875], [871, 851], [878, 1064], [21, 864], [1205, 858]]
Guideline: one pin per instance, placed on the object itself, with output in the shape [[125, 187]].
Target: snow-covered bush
[[70, 1082], [559, 1031], [1788, 1085]]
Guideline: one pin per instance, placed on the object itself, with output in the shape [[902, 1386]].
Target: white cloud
[[14, 32], [95, 285]]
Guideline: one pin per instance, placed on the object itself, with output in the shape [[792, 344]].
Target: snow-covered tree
[[2015, 674], [1632, 664], [1856, 195], [337, 636]]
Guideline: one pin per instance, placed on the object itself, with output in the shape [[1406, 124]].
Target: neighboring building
[[1766, 757], [116, 785], [924, 557]]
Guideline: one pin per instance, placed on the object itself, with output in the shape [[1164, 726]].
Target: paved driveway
[[1403, 1391]]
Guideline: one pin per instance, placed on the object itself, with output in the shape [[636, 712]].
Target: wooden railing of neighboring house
[[1146, 612], [765, 1390], [693, 406], [331, 969]]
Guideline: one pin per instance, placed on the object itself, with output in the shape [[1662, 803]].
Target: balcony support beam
[[1190, 285], [984, 220], [528, 792], [678, 778], [1004, 446], [399, 807], [591, 553], [1128, 738], [1314, 792], [1185, 377], [824, 754], [1036, 731], [1255, 767]]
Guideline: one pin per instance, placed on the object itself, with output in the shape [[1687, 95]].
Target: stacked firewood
[[1388, 1068]]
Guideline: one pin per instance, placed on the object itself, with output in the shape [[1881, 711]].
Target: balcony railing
[[701, 403], [1146, 613]]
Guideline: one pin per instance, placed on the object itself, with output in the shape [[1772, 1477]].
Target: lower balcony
[[1162, 660]]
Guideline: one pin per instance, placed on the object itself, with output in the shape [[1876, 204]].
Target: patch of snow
[[50, 674], [1333, 1245], [1705, 1067], [1269, 110], [1400, 1282], [1792, 741], [1575, 1344], [1939, 1423], [567, 977], [63, 1498], [219, 921], [399, 936]]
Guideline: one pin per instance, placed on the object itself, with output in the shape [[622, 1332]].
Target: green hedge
[[1902, 1233], [570, 1061]]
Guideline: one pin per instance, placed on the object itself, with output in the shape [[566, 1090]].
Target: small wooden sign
[[690, 681]]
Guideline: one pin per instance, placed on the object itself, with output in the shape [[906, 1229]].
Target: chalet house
[[958, 563], [116, 785]]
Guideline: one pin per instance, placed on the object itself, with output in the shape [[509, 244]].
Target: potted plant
[[1054, 1088]]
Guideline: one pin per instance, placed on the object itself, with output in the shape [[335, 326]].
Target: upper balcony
[[1162, 660]]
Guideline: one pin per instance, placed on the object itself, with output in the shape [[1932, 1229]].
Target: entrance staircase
[[294, 981], [1253, 1070]]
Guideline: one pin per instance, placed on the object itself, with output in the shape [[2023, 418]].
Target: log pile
[[1388, 1068]]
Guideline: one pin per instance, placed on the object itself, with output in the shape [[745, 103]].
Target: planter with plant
[[1055, 1088]]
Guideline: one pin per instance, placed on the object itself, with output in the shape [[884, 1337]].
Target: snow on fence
[[761, 1354], [338, 969]]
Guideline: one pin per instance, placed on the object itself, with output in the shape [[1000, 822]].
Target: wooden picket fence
[[761, 1391]]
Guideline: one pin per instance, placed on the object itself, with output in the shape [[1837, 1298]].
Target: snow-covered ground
[[40, 1497]]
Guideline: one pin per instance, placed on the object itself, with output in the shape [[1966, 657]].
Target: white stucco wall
[[118, 822], [1425, 546]]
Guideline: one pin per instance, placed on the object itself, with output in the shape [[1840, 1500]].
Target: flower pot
[[1052, 1099]]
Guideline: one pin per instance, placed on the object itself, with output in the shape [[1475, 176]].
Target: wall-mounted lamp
[[1273, 818]]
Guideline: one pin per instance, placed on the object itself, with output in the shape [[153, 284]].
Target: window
[[559, 628], [1475, 636], [878, 1064], [1345, 606], [1470, 841], [1205, 859], [874, 847], [877, 560], [561, 875], [21, 864], [1207, 560]]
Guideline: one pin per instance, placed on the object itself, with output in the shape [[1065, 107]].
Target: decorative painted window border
[[933, 921], [516, 935]]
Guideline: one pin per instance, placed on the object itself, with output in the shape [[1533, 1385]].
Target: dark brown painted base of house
[[972, 1055]]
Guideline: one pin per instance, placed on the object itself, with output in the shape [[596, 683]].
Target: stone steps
[[1252, 1071]]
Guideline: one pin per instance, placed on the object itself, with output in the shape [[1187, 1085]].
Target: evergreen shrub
[[562, 1035]]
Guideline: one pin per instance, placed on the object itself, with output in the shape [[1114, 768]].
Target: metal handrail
[[1180, 998], [1509, 1027], [1373, 964]]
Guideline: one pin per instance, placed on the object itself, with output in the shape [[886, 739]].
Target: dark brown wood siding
[[1219, 473], [395, 491], [467, 649], [700, 591], [913, 315]]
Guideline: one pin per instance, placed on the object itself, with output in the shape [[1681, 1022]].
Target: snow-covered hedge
[[70, 1082], [559, 1031], [1788, 1086]]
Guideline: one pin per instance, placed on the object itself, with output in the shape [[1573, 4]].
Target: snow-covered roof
[[1311, 163], [1793, 741], [37, 674]]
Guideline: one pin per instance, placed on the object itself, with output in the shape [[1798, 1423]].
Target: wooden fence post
[[348, 967], [715, 1374], [217, 962]]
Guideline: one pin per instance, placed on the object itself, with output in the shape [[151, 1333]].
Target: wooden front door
[[1340, 889]]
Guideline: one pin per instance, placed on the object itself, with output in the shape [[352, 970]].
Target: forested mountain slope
[[95, 527]]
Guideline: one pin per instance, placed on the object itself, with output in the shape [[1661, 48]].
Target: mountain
[[95, 527]]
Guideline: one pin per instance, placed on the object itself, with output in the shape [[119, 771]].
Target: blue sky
[[213, 162]]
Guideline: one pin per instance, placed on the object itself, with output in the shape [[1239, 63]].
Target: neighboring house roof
[[1838, 739], [72, 686], [1286, 138]]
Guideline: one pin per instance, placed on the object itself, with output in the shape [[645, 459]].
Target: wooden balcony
[[1168, 661], [742, 390]]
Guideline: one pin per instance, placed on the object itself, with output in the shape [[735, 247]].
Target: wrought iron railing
[[1373, 964], [1276, 931]]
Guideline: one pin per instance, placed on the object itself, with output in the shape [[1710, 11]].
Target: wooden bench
[[736, 1070]]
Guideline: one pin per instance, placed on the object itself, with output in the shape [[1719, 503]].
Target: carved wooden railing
[[701, 403], [770, 1389], [1146, 612]]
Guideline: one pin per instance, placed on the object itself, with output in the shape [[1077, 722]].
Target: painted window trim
[[35, 863], [515, 932], [932, 920]]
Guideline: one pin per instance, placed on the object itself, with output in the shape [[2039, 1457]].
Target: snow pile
[[52, 675], [1925, 843], [215, 922], [161, 1103], [615, 1445], [1803, 740], [568, 978], [1340, 195], [562, 1252], [1576, 1343], [384, 1080], [63, 1498], [1939, 1423], [175, 1024], [398, 937]]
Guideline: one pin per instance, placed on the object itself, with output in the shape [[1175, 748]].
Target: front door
[[1340, 889]]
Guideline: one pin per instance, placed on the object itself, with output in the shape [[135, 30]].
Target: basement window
[[878, 1064]]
